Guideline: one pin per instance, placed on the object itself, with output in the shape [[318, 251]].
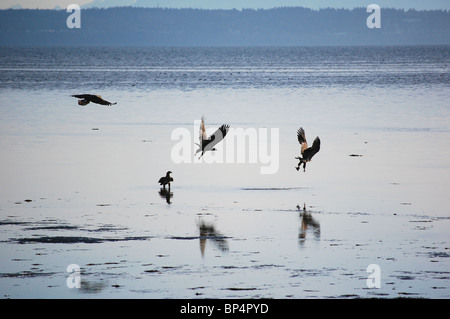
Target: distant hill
[[129, 26]]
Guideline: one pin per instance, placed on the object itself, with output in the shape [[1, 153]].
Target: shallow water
[[78, 184]]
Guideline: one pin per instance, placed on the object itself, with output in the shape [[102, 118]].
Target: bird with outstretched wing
[[85, 99], [306, 152], [208, 143]]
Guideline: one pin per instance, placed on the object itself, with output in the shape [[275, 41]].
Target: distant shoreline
[[290, 26]]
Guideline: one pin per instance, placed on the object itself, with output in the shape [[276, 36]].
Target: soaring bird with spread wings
[[208, 143], [307, 152], [84, 99]]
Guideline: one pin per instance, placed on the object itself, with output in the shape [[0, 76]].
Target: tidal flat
[[79, 184]]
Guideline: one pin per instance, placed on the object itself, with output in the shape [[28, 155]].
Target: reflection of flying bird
[[308, 222], [166, 180], [207, 144], [84, 99], [307, 152], [208, 231]]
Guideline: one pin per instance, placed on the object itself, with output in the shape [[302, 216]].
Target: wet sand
[[149, 249]]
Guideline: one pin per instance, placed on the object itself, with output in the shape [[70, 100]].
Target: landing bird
[[207, 144], [307, 152], [86, 98], [166, 180]]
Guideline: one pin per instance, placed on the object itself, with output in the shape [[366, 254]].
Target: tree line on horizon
[[288, 26]]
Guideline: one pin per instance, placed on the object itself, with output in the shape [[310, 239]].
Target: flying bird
[[84, 99], [166, 180], [207, 144], [307, 152]]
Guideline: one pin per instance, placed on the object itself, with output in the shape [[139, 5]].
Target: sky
[[230, 4]]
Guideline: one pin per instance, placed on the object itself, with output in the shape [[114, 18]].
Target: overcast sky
[[229, 4]]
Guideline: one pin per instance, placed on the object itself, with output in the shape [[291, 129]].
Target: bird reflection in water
[[208, 232], [92, 287], [308, 224], [166, 194]]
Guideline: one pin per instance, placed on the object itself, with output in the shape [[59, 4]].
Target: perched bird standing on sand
[[166, 180], [307, 152], [84, 99], [207, 144]]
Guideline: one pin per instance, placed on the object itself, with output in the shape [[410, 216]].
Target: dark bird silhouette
[[166, 194], [307, 152], [84, 99], [165, 180], [207, 144]]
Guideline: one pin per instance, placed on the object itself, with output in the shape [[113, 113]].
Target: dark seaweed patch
[[240, 289], [406, 277], [73, 240], [408, 293], [439, 254], [54, 225], [152, 271], [106, 228], [11, 222], [26, 274], [183, 238], [57, 227], [197, 237]]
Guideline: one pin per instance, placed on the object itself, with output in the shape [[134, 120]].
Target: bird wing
[[218, 135], [311, 151], [99, 100], [202, 136], [202, 132], [93, 98], [302, 139], [82, 96]]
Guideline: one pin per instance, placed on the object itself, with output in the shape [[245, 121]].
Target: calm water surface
[[79, 184]]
